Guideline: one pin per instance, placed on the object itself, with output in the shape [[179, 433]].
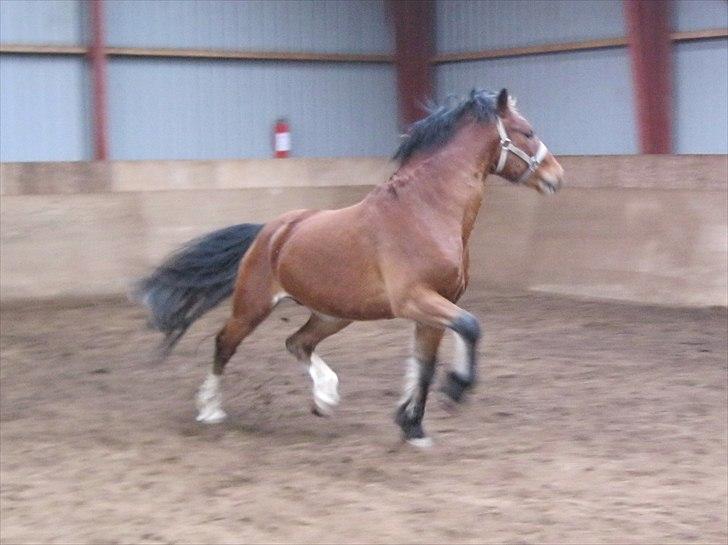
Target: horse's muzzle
[[547, 187], [549, 179]]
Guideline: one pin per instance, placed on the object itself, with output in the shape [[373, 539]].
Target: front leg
[[428, 307], [467, 333], [419, 377]]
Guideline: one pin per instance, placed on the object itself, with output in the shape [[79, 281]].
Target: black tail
[[194, 279]]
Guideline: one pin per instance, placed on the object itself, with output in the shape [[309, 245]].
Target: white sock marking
[[461, 362], [325, 385], [209, 401], [412, 379]]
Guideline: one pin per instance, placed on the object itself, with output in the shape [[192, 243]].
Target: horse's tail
[[193, 280]]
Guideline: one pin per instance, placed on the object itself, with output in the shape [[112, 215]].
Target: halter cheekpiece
[[533, 161]]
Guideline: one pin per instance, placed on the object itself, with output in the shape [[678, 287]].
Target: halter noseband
[[533, 161]]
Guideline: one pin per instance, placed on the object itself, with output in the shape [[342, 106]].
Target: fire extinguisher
[[281, 139]]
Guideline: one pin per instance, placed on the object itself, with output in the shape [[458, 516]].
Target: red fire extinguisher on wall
[[281, 139]]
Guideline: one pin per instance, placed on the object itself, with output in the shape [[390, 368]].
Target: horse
[[401, 252]]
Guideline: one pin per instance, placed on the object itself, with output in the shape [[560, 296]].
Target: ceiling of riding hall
[[192, 79]]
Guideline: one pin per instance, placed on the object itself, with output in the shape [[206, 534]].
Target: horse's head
[[520, 156]]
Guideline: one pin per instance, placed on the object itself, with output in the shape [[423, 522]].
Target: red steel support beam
[[97, 58], [648, 24], [414, 30]]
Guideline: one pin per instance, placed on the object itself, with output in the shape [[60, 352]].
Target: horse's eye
[[529, 134]]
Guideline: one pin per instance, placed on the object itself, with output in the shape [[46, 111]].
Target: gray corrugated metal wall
[[701, 80], [701, 97], [38, 22], [222, 109], [201, 109], [330, 26], [465, 25], [700, 14], [188, 109], [209, 109], [580, 102], [43, 101], [44, 105]]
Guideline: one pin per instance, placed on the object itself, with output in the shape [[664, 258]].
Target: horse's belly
[[343, 301]]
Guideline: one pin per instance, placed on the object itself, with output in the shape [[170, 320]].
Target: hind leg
[[209, 396], [252, 303], [302, 344]]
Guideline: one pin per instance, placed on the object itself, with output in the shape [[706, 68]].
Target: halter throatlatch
[[533, 161]]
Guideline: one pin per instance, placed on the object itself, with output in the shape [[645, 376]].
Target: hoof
[[322, 407], [326, 396], [212, 416], [420, 442], [412, 431], [455, 387]]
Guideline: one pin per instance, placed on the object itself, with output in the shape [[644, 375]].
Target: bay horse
[[402, 252]]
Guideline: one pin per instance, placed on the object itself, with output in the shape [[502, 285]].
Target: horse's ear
[[503, 101]]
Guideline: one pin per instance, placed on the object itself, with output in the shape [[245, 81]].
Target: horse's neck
[[448, 182]]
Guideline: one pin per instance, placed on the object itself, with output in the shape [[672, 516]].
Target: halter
[[533, 161]]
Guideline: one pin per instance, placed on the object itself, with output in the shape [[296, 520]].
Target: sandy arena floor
[[593, 423]]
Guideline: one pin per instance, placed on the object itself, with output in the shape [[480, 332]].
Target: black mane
[[437, 128]]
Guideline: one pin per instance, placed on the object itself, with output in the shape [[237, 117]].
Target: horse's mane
[[438, 127]]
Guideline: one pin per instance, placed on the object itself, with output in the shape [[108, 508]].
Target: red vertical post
[[97, 58], [648, 24], [414, 30]]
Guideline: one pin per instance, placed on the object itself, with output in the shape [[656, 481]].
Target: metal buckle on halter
[[505, 142]]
